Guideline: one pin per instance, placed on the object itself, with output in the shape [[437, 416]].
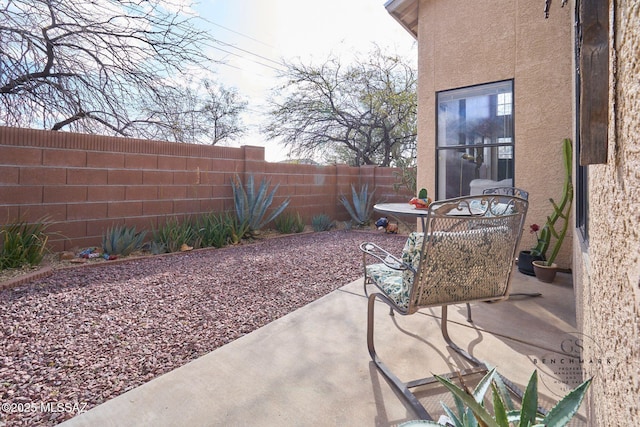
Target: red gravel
[[85, 335]]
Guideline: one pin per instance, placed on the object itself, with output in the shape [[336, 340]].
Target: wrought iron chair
[[465, 255], [508, 191]]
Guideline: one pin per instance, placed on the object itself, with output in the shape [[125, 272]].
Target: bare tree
[[98, 66], [207, 114], [363, 113]]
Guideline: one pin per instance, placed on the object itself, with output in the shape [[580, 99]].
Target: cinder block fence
[[84, 184]]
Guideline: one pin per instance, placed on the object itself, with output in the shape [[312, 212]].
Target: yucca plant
[[122, 240], [322, 222], [251, 205], [174, 233], [471, 411], [22, 243], [360, 210], [289, 222]]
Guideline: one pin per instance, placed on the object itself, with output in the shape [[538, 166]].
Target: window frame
[[438, 148]]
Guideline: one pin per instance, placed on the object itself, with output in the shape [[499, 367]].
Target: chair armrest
[[386, 257]]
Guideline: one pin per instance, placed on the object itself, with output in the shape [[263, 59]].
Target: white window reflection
[[474, 137]]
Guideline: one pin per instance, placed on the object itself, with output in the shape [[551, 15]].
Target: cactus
[[560, 211]]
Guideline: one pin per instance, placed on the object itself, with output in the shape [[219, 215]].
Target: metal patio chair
[[466, 256], [508, 191]]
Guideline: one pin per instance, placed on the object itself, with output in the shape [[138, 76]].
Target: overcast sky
[[255, 35]]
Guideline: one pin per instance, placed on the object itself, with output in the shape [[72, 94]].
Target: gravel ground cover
[[84, 335]]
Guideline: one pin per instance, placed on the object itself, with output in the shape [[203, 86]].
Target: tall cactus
[[560, 211]]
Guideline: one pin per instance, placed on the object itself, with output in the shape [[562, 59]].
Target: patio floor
[[312, 368]]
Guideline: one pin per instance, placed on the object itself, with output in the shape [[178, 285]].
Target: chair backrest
[[508, 191], [469, 251]]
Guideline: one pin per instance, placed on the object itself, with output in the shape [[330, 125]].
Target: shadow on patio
[[312, 368]]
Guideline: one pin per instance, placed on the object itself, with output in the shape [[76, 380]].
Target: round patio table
[[402, 209]]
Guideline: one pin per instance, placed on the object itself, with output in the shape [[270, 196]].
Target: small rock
[[66, 255]]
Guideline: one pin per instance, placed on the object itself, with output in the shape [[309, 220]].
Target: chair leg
[[402, 387], [450, 343]]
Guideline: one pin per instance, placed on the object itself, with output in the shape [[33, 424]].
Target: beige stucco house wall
[[463, 43], [607, 267]]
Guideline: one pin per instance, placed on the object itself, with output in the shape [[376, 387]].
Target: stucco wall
[[609, 270], [463, 43]]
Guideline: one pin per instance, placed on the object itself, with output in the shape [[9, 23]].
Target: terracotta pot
[[545, 273], [525, 260]]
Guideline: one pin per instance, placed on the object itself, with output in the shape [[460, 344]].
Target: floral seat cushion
[[396, 284], [457, 257]]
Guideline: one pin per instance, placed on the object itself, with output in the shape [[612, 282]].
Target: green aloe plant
[[362, 207], [251, 205], [470, 410]]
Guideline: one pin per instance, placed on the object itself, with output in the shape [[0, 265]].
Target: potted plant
[[545, 270], [537, 253]]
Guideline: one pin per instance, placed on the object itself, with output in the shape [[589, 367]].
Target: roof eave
[[406, 13]]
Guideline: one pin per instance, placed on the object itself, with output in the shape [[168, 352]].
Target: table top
[[407, 209], [400, 209]]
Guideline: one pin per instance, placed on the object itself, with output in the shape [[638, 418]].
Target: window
[[474, 138]]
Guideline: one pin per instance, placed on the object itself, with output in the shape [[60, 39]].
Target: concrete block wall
[[84, 184]]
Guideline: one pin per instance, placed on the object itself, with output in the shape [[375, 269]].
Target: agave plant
[[470, 409], [322, 222], [362, 207], [122, 240], [251, 205]]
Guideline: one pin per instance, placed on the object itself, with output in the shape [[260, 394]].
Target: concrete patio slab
[[312, 368]]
